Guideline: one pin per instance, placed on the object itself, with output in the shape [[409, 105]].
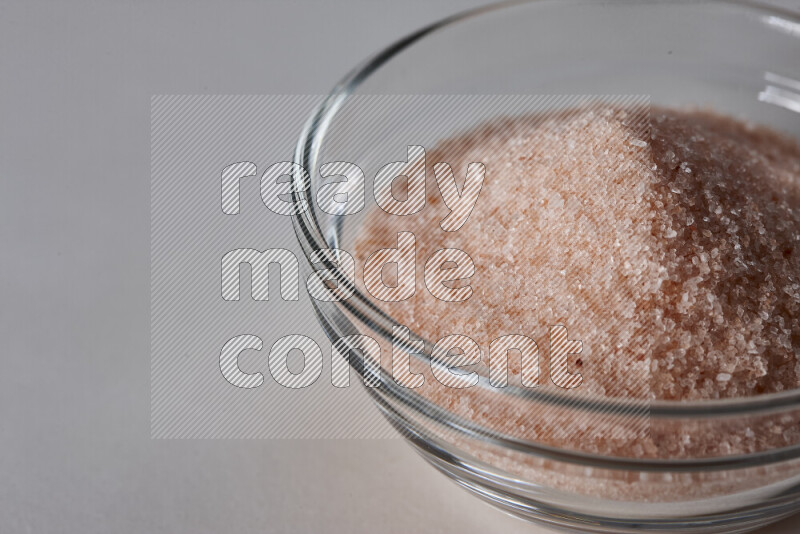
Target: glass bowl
[[741, 59]]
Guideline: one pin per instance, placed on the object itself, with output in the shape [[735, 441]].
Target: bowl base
[[734, 522]]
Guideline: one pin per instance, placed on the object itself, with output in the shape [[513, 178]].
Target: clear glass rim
[[311, 236]]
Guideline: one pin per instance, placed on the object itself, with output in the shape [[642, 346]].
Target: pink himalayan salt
[[669, 246]]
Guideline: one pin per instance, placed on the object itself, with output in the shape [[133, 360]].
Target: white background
[[75, 452]]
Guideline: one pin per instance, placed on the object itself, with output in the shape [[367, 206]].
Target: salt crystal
[[708, 312]]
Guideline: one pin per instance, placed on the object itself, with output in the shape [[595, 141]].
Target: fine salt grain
[[683, 254]]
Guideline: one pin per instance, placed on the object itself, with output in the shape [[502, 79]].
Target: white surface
[[74, 391]]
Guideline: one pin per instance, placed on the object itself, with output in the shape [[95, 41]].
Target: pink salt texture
[[669, 246]]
